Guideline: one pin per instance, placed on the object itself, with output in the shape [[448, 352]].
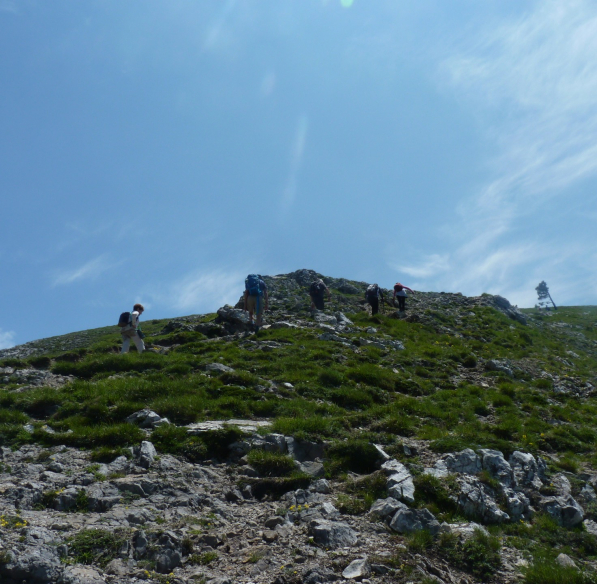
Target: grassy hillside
[[469, 376]]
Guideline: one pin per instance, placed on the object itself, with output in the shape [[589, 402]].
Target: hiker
[[373, 294], [400, 293], [130, 329], [255, 299], [317, 290]]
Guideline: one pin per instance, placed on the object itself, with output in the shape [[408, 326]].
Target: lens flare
[[347, 3]]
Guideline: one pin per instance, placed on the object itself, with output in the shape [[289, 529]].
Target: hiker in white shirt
[[131, 331]]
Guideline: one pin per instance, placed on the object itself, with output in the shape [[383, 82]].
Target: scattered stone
[[144, 418], [477, 500], [357, 569], [408, 520], [145, 454], [383, 508], [332, 534], [565, 561], [218, 368], [464, 462], [565, 510]]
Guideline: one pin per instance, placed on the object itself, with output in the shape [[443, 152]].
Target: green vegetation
[[546, 571], [203, 559], [478, 554], [350, 395], [271, 464], [95, 546]]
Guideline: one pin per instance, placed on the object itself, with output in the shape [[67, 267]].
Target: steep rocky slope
[[451, 443]]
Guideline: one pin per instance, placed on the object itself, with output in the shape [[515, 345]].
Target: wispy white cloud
[[204, 291], [88, 271], [431, 266], [532, 84], [296, 159], [215, 30], [6, 339]]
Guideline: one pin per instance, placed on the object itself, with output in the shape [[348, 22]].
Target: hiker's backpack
[[253, 285], [316, 288], [372, 292], [125, 319], [398, 287]]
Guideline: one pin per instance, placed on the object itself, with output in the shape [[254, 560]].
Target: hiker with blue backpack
[[130, 330], [255, 299]]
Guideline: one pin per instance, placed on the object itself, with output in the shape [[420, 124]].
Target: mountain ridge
[[454, 442]]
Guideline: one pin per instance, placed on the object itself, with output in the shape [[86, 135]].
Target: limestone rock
[[82, 575], [218, 368], [145, 454], [477, 500], [383, 508], [408, 520], [332, 534], [400, 481], [525, 470], [565, 561], [357, 569], [39, 565], [303, 450], [144, 418], [565, 510], [464, 462], [496, 465]]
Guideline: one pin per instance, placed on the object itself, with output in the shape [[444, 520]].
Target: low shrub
[[353, 455], [96, 546], [478, 554], [331, 378], [271, 464], [547, 571]]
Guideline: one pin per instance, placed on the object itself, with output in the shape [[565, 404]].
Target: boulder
[[313, 469], [357, 569], [565, 561], [407, 520], [218, 368], [565, 510], [525, 470], [495, 463], [303, 450], [145, 454], [383, 508], [321, 486], [167, 560], [316, 575], [495, 365], [476, 500], [464, 462], [518, 503], [587, 494], [332, 534], [145, 418], [38, 565], [400, 481]]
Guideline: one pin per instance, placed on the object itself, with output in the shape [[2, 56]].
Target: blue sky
[[157, 152]]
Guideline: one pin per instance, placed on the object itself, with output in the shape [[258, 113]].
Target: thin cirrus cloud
[[6, 339], [88, 271], [532, 84], [202, 291], [296, 159]]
